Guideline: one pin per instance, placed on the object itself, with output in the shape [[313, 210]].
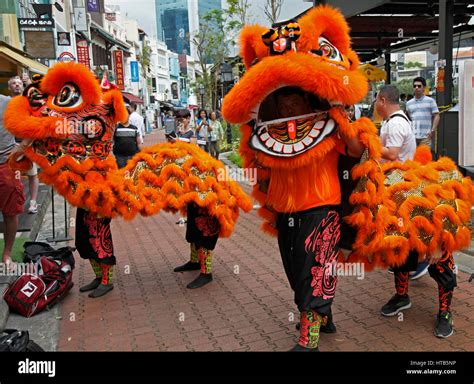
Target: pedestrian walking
[[216, 135], [126, 143], [12, 197], [136, 120], [202, 129], [423, 112]]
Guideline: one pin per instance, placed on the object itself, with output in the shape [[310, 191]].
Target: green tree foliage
[[217, 29], [413, 64]]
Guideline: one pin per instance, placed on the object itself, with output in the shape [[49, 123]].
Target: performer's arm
[[354, 147], [435, 256], [390, 153]]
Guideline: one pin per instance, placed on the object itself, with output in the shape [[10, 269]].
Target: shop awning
[[22, 58], [107, 36], [167, 105], [131, 98]]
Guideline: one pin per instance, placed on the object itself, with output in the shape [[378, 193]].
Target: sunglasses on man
[[418, 86]]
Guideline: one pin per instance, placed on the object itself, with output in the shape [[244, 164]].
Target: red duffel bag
[[33, 292]]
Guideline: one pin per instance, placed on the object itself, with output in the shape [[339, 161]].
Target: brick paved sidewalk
[[247, 307]]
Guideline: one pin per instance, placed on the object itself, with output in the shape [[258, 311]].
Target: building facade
[[177, 22]]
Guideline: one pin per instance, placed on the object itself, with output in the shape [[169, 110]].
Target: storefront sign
[[119, 74], [35, 23], [83, 53]]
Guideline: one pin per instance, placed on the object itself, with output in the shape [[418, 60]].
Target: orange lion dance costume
[[70, 121], [290, 104]]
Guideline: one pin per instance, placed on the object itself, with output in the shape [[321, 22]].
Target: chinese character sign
[[119, 75], [83, 53]]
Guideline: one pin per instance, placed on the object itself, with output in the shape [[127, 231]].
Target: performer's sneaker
[[330, 327], [91, 286], [444, 324], [421, 270], [395, 305], [299, 348], [101, 290], [201, 280], [188, 267]]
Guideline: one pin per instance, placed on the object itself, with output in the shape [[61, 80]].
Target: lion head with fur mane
[[312, 56]]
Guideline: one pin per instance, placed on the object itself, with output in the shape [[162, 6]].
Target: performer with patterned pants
[[94, 242], [309, 246], [202, 233], [442, 271]]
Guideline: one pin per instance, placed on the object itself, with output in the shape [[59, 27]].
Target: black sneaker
[[201, 280], [188, 267], [299, 348], [444, 324], [91, 286], [101, 290], [395, 305]]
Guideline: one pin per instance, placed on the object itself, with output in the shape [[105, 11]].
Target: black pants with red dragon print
[[309, 246], [94, 237], [442, 272]]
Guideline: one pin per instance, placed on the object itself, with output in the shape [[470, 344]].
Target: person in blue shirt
[[202, 129]]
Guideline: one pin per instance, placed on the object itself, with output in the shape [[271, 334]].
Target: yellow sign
[[372, 73]]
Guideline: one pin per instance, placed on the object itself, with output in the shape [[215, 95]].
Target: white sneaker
[[33, 207]]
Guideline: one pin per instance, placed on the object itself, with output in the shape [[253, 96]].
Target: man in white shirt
[[398, 138], [136, 120]]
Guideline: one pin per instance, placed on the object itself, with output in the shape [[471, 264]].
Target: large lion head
[[311, 56], [66, 114]]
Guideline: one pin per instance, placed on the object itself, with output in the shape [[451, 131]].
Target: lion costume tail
[[415, 205]]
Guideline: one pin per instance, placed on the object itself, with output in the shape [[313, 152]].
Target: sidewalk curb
[[5, 282], [464, 261]]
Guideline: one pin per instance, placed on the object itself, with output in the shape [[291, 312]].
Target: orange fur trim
[[423, 154], [324, 21], [79, 74], [114, 97], [251, 44], [446, 198], [150, 182], [19, 121]]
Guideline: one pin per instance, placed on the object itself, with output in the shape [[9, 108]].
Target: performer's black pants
[[442, 272], [94, 238], [202, 229], [309, 246]]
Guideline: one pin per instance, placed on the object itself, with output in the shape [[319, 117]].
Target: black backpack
[[35, 249], [12, 340]]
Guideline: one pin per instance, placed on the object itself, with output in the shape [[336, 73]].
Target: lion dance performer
[[290, 104], [70, 137]]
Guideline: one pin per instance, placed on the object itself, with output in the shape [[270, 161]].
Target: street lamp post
[[202, 90], [227, 77]]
